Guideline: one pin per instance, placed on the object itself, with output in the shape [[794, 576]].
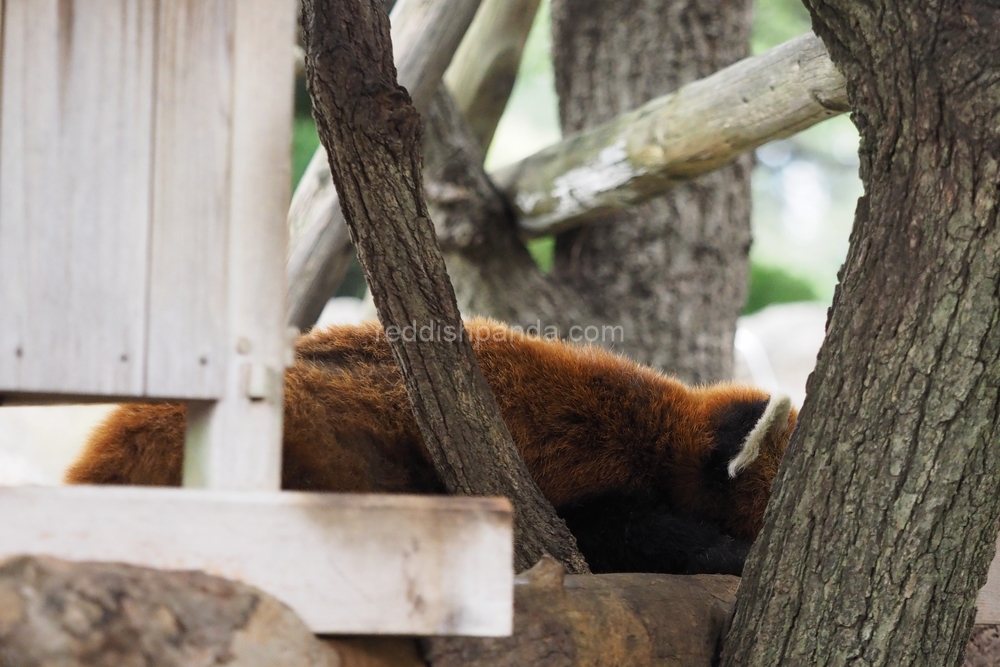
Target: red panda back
[[586, 422]]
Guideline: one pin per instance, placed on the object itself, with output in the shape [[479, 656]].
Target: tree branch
[[482, 73], [371, 132], [426, 34], [629, 160], [679, 136]]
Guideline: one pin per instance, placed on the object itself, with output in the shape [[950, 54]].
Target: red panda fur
[[585, 420]]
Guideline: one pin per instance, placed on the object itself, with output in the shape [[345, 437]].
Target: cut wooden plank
[[988, 600], [191, 199], [347, 564], [236, 443], [74, 214]]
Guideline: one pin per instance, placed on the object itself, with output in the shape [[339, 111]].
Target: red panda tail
[[136, 444]]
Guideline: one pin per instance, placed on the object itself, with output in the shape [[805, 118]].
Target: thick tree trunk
[[673, 271], [371, 133], [884, 518]]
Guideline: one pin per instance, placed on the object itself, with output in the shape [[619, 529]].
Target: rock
[[55, 612]]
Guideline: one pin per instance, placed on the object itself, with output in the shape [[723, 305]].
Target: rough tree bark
[[673, 271], [372, 135], [885, 515]]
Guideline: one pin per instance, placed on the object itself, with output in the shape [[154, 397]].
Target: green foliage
[[777, 21], [541, 251], [773, 284], [305, 140]]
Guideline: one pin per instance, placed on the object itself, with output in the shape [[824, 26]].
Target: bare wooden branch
[[695, 130], [371, 133], [425, 34], [482, 73]]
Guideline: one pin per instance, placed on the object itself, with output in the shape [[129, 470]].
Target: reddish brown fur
[[586, 421]]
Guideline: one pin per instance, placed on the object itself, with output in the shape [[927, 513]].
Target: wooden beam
[[679, 136], [186, 340], [347, 564], [218, 453], [988, 600]]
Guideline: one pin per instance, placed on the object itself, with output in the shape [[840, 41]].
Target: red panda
[[650, 475]]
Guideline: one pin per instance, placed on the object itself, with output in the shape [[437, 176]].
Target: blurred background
[[804, 192]]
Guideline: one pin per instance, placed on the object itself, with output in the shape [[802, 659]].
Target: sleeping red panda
[[650, 475]]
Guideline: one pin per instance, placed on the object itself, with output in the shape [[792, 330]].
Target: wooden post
[[258, 346]]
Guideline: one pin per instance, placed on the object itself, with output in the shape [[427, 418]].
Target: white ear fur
[[775, 416]]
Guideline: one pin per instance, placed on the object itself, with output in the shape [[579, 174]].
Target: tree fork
[[371, 133]]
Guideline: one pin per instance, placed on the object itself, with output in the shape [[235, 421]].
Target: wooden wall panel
[[191, 176], [74, 209]]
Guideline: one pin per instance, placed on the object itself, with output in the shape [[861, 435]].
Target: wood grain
[[236, 443], [988, 600], [191, 199], [351, 564], [74, 214]]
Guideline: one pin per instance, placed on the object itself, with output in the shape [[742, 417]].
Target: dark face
[[753, 483], [750, 434]]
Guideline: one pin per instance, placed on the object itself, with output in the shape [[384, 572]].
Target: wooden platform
[[347, 564]]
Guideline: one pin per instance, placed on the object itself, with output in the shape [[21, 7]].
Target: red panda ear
[[731, 424], [774, 415]]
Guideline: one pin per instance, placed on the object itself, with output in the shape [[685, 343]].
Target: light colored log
[[218, 452], [193, 134], [482, 73], [639, 620], [425, 34], [72, 292], [347, 564], [679, 136]]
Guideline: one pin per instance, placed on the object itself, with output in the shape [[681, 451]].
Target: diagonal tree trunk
[[673, 271], [371, 132], [884, 519]]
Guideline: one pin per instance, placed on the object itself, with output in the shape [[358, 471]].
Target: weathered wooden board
[[258, 347], [988, 601], [347, 564], [74, 210], [191, 184]]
